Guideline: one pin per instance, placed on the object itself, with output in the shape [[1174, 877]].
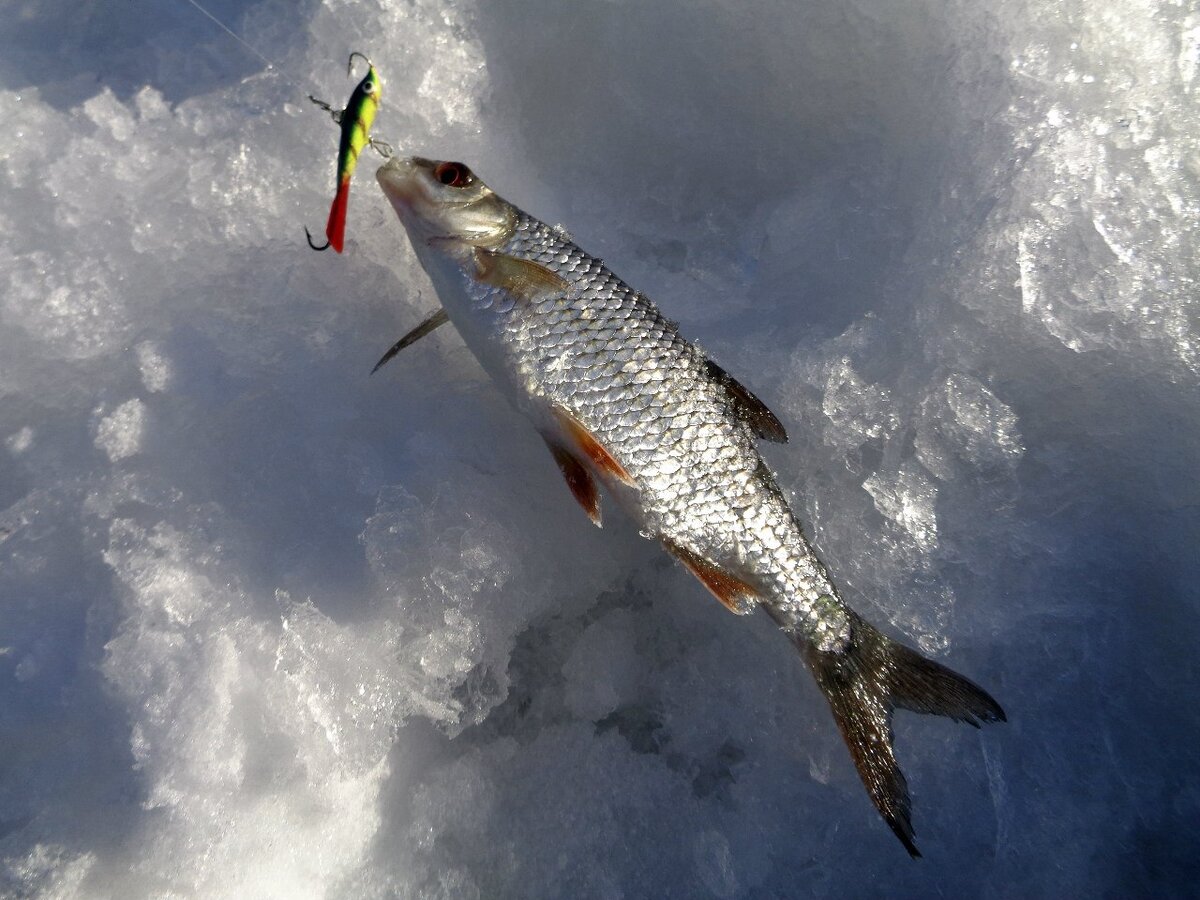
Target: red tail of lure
[[355, 121], [335, 228]]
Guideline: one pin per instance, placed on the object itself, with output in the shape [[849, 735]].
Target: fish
[[623, 401], [355, 122]]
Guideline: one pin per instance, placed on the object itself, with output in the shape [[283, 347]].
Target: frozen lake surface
[[270, 627]]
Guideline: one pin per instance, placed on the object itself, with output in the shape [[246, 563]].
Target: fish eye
[[369, 87], [453, 174]]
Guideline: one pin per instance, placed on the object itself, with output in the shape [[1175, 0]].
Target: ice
[[909, 499], [270, 627], [964, 423], [608, 646], [119, 434], [155, 368]]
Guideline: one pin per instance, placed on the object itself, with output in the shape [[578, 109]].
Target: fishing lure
[[355, 121]]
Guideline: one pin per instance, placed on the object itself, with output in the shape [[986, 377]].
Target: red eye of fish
[[452, 174]]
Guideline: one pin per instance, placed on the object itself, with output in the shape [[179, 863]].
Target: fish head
[[445, 203]]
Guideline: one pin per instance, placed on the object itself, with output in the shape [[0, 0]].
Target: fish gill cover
[[272, 628]]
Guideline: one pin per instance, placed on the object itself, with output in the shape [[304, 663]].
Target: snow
[[270, 627]]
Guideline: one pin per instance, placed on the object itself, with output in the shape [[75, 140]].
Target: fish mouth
[[400, 179], [407, 183]]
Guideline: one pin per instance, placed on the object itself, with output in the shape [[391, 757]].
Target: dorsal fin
[[747, 407], [523, 278]]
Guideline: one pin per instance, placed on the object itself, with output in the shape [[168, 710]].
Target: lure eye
[[453, 174]]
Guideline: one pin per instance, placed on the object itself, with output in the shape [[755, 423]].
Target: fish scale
[[620, 397]]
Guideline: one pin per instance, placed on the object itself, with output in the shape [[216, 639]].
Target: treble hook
[[350, 64], [310, 241], [335, 114]]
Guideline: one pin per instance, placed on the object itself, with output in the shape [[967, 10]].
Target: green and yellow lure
[[355, 121]]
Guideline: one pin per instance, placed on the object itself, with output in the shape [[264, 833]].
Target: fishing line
[[233, 34], [297, 82], [288, 73]]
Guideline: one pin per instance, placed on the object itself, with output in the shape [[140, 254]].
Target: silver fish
[[623, 400]]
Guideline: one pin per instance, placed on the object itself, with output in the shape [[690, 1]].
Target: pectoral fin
[[524, 279], [748, 407], [587, 445], [436, 320], [579, 479], [738, 597]]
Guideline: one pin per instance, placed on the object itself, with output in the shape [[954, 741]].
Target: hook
[[310, 241], [336, 114], [350, 64]]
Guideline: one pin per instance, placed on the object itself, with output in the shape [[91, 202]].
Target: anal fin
[[579, 479], [748, 407], [737, 596], [589, 446]]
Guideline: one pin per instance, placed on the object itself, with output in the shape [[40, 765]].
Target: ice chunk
[[119, 434], [908, 499], [961, 419], [859, 411], [155, 368], [20, 441]]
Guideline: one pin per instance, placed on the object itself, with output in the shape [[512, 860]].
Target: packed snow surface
[[270, 627]]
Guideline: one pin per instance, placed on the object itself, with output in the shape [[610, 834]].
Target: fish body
[[621, 398], [355, 120]]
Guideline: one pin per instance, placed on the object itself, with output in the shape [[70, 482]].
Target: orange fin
[[523, 278], [747, 407], [579, 480], [738, 597], [335, 228], [587, 444]]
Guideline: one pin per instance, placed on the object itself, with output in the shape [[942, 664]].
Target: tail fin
[[867, 680], [335, 228]]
